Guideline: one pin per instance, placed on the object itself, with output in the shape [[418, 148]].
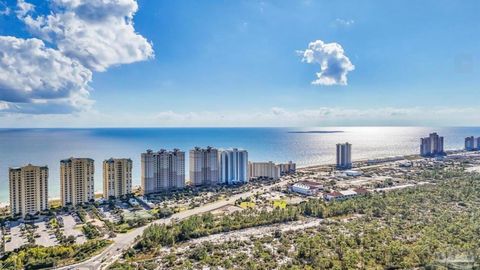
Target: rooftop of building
[[74, 158], [348, 192], [117, 159], [28, 165], [310, 184]]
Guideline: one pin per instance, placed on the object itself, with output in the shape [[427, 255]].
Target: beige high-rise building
[[163, 170], [287, 168], [117, 177], [77, 181], [264, 170], [204, 166], [28, 189]]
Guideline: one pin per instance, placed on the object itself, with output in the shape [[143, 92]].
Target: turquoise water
[[306, 146]]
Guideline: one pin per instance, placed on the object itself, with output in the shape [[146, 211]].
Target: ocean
[[305, 146]]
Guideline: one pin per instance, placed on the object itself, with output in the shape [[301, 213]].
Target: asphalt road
[[123, 241]]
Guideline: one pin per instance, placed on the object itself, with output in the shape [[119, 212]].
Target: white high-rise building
[[344, 155], [117, 177], [264, 170], [233, 166], [477, 146], [204, 166], [163, 170], [28, 190], [431, 145], [470, 143], [77, 181]]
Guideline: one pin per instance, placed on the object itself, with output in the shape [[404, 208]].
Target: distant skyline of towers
[[117, 177], [162, 171], [431, 145], [77, 181], [233, 166], [28, 189], [344, 155], [204, 166]]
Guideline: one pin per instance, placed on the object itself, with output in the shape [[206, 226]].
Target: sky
[[156, 63]]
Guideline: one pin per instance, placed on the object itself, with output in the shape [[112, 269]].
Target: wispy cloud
[[276, 116], [4, 9], [342, 22]]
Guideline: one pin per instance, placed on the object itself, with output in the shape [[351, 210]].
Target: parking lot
[[70, 227], [45, 237], [15, 239]]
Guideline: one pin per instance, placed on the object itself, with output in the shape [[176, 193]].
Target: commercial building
[[117, 177], [431, 145], [306, 188], [204, 166], [353, 173], [163, 170], [344, 155], [77, 181], [345, 194], [264, 170], [28, 189], [233, 166]]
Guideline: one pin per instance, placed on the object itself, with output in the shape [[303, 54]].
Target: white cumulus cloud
[[334, 64], [31, 75], [97, 33], [50, 72]]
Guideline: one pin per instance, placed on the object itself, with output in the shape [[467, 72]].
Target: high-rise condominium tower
[[117, 177], [163, 170], [264, 169], [204, 166], [233, 166], [431, 145], [28, 189], [344, 155], [77, 181], [470, 143], [289, 167]]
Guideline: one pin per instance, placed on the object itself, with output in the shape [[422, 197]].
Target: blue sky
[[229, 63]]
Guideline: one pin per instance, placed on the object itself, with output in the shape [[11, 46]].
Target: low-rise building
[[353, 173], [306, 188], [344, 194]]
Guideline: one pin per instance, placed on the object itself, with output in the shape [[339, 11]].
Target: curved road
[[124, 241]]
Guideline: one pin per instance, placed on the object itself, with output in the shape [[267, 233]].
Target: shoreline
[[306, 167]]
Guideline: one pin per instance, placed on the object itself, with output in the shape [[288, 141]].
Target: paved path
[[123, 241]]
